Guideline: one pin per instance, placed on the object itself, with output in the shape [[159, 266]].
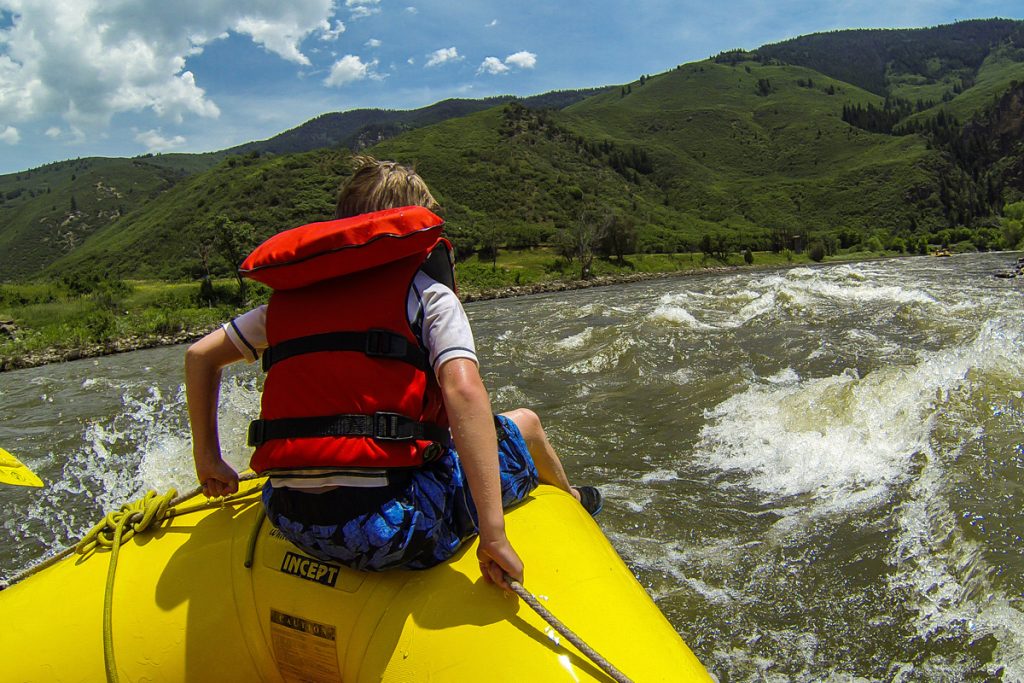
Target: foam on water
[[842, 434], [796, 291], [576, 341], [508, 396], [944, 572], [659, 475], [606, 358], [756, 308], [829, 437], [674, 312], [948, 580], [864, 293]]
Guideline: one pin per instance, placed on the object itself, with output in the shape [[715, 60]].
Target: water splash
[[576, 341], [138, 442], [672, 308], [843, 438]]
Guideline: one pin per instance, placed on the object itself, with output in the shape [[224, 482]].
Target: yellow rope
[[119, 526]]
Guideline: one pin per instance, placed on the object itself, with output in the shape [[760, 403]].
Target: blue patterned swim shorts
[[417, 521]]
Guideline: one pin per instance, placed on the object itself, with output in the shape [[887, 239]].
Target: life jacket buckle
[[384, 343], [388, 427]]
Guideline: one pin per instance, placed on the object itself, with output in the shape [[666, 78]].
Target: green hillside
[[891, 138], [740, 152], [925, 62], [52, 210], [361, 128], [757, 148], [166, 238]]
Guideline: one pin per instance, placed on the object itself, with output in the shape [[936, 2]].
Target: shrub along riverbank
[[79, 317]]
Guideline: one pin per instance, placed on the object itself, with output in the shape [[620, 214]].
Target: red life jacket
[[348, 384]]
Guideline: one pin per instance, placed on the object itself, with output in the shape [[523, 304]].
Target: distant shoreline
[[34, 359]]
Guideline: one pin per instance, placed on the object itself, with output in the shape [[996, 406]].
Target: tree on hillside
[[1012, 225], [817, 251], [490, 242], [234, 241], [578, 240], [618, 237], [202, 242]]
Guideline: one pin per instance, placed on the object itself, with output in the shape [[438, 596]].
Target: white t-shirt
[[436, 316]]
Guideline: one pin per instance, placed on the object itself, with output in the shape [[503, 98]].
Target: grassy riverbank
[[71, 319]]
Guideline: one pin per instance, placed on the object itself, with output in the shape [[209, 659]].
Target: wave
[[843, 438]]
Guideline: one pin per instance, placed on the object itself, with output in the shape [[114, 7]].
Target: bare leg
[[549, 466]]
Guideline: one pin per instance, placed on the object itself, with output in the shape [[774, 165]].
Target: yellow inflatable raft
[[218, 595]]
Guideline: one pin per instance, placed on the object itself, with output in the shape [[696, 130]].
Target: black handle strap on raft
[[374, 343], [379, 426]]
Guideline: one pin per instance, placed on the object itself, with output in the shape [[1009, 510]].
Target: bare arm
[[469, 412], [204, 361]]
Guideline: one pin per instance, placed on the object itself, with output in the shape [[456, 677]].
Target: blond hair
[[376, 185]]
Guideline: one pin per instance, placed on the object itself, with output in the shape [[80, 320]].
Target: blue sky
[[126, 77]]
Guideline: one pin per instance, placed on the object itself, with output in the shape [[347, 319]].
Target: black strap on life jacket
[[374, 343], [439, 265], [379, 426]]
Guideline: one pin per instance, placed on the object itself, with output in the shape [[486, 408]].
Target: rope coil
[[120, 525]]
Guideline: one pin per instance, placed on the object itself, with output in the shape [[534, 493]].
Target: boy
[[410, 517]]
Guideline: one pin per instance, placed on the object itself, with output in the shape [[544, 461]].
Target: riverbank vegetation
[[79, 317]]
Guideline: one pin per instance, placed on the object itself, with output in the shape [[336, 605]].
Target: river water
[[818, 474]]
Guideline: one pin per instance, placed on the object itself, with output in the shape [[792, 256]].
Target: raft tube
[[220, 595]]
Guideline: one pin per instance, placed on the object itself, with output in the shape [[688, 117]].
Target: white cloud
[[492, 24], [279, 37], [373, 42], [492, 65], [445, 54], [86, 60], [53, 132], [522, 60], [351, 68], [411, 10], [155, 141], [328, 34], [10, 135], [519, 60], [360, 9]]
